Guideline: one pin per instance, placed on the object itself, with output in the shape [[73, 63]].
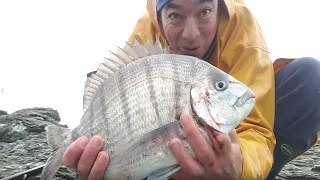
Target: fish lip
[[247, 96]]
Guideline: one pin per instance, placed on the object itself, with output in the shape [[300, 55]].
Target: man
[[225, 34]]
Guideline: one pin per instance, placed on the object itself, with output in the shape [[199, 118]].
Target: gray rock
[[47, 114], [3, 112], [12, 131], [23, 143]]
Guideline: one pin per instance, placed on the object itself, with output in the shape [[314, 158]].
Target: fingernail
[[83, 141], [103, 157], [186, 121], [175, 145], [96, 141]]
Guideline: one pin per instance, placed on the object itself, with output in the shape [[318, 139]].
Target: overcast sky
[[47, 47]]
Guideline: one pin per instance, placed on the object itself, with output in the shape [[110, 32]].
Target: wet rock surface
[[23, 144]]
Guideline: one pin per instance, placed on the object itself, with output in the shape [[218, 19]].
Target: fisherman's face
[[190, 25]]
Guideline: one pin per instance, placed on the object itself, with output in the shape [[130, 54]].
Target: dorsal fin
[[116, 61]]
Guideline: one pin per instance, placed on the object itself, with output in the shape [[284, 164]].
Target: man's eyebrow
[[203, 1], [172, 5]]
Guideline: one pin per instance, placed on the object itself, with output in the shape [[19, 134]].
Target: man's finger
[[224, 141], [73, 153], [89, 156], [233, 136], [187, 162], [200, 146], [100, 166], [215, 143]]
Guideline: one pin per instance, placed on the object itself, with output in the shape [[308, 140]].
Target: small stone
[[316, 168]]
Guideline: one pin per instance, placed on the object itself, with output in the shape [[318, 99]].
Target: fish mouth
[[246, 97]]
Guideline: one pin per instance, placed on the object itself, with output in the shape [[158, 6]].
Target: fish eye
[[221, 85]]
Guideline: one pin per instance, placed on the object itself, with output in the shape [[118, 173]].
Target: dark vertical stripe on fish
[[124, 101], [177, 90], [95, 127], [152, 91]]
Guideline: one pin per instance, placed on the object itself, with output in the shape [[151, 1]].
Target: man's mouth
[[191, 51]]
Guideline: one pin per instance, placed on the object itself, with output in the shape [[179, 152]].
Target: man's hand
[[224, 161], [87, 158]]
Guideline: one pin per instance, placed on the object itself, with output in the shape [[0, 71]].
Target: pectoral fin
[[150, 140], [164, 173]]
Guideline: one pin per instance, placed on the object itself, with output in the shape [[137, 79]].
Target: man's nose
[[190, 31]]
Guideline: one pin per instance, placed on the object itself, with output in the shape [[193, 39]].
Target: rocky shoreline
[[23, 146]]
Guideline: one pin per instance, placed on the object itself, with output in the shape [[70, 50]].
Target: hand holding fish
[[222, 162], [87, 158]]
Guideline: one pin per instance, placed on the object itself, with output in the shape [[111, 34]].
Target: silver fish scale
[[146, 114]]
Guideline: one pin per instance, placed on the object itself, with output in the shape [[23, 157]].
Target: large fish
[[134, 101]]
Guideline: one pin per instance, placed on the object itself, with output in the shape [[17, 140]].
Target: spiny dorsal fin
[[112, 64]]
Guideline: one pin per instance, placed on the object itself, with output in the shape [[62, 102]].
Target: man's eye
[[174, 16], [205, 12]]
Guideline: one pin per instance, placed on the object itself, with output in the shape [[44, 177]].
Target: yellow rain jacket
[[240, 50]]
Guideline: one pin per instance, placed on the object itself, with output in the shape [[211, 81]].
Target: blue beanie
[[161, 4]]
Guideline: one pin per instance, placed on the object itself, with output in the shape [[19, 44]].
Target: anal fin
[[164, 173], [52, 165], [55, 137]]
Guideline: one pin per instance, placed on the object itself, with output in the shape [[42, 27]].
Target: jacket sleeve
[[253, 67]]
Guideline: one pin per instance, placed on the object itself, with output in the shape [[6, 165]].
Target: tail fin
[[55, 137]]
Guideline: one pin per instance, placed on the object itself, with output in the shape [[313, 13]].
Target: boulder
[[23, 144]]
